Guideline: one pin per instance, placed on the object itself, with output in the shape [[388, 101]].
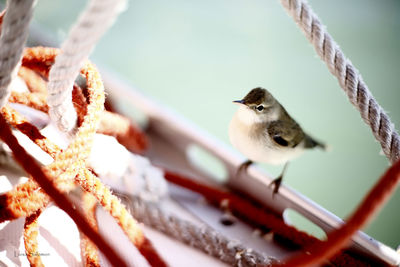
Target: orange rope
[[90, 257], [22, 200], [112, 204], [127, 133], [33, 100], [21, 124], [31, 228], [72, 160], [44, 179], [33, 80]]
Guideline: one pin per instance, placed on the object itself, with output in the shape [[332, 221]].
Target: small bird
[[264, 132]]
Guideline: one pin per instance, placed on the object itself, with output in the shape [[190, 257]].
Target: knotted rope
[[45, 181], [348, 76], [91, 25], [13, 36], [25, 199]]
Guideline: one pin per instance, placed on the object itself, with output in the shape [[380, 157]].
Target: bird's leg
[[276, 183], [244, 166]]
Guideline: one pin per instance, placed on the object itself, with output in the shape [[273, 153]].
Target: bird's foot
[[243, 167], [276, 183]]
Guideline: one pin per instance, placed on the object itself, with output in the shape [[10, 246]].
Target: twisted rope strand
[[129, 225], [21, 201], [348, 76], [31, 230], [124, 130], [66, 159], [20, 123], [34, 82], [68, 162], [89, 254], [46, 182], [12, 40], [203, 238], [92, 23], [32, 100]]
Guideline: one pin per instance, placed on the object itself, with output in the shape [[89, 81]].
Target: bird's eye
[[260, 107]]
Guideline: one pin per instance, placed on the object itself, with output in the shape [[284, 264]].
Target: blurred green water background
[[198, 56]]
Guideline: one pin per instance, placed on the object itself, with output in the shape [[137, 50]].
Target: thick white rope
[[91, 25], [14, 32], [203, 238], [348, 76]]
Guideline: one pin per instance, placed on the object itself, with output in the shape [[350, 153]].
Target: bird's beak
[[238, 102]]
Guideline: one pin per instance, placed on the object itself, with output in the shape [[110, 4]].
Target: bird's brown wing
[[286, 133]]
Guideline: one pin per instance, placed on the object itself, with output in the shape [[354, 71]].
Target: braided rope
[[34, 82], [12, 40], [34, 100], [72, 161], [31, 230], [20, 123], [125, 131], [348, 76], [112, 204], [89, 254], [203, 237], [68, 162], [21, 201], [44, 179], [92, 23]]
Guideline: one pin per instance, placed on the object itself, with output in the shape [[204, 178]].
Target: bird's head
[[257, 106]]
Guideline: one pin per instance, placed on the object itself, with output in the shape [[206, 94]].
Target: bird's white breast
[[258, 148]]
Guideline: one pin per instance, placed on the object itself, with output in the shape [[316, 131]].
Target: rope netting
[[50, 76]]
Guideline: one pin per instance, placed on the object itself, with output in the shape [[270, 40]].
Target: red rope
[[341, 237], [258, 216], [45, 182]]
